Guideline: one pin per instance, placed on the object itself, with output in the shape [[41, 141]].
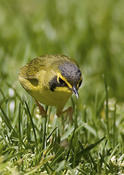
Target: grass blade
[[7, 121], [33, 127], [107, 108]]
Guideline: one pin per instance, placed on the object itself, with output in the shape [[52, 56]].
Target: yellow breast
[[56, 98], [44, 95]]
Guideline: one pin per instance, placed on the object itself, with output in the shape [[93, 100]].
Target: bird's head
[[68, 78]]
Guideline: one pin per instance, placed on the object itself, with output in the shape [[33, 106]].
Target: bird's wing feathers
[[30, 70]]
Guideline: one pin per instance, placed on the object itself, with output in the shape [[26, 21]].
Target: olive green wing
[[28, 73], [45, 63], [30, 70]]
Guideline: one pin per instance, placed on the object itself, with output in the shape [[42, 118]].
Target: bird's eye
[[61, 81], [80, 82]]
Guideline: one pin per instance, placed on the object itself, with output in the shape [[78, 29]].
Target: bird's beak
[[75, 91]]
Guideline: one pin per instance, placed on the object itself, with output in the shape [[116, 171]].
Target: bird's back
[[42, 63]]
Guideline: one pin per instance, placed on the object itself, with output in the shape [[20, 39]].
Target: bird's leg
[[42, 111], [68, 112]]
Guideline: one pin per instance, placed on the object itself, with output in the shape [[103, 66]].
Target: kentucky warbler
[[51, 79]]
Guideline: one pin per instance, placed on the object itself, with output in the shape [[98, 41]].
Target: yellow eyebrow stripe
[[64, 79]]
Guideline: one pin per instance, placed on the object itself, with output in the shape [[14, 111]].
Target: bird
[[51, 80]]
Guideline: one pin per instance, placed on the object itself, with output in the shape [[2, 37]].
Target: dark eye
[[80, 83], [61, 81]]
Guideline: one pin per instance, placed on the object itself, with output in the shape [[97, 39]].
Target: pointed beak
[[75, 91]]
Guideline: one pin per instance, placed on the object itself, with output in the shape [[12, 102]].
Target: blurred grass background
[[90, 32]]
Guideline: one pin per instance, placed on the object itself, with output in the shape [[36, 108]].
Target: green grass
[[93, 142]]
